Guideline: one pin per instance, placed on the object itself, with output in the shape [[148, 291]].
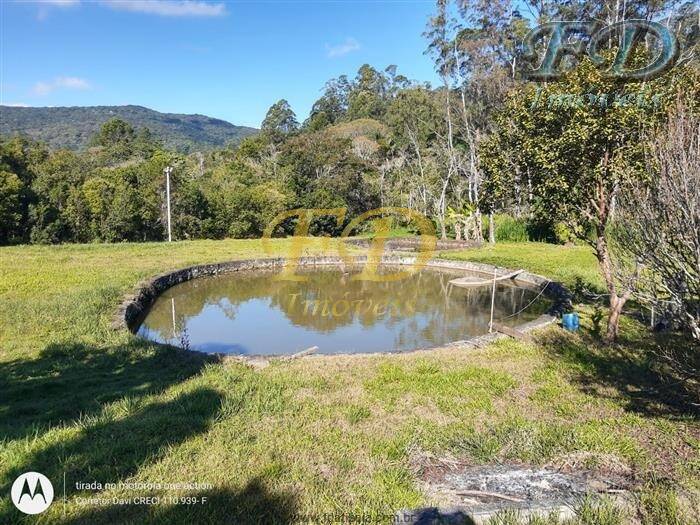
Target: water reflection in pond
[[251, 313]]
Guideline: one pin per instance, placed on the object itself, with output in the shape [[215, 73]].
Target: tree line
[[373, 140]]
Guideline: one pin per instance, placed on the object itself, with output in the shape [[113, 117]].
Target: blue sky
[[229, 60]]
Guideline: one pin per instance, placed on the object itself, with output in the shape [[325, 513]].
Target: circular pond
[[249, 312]]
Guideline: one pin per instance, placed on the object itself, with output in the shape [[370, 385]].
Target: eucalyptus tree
[[442, 47], [367, 98], [332, 106], [685, 23], [475, 47], [280, 120], [414, 119], [611, 11]]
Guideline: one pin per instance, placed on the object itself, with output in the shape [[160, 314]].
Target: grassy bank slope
[[317, 437], [575, 266]]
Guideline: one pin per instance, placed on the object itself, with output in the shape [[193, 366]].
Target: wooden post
[[493, 300], [172, 303]]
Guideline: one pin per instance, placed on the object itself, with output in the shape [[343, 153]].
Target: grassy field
[[309, 439]]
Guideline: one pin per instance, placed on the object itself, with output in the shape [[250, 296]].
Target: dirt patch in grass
[[493, 488]]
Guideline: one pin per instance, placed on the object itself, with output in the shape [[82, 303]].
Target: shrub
[[510, 229], [563, 233]]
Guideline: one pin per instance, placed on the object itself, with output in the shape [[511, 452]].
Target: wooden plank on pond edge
[[512, 332]]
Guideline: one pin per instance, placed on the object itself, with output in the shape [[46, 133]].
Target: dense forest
[[487, 153], [74, 127]]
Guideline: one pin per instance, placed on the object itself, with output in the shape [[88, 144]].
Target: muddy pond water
[[252, 313]]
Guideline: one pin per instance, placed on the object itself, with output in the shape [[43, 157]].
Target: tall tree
[[368, 94], [279, 121], [332, 106], [442, 47]]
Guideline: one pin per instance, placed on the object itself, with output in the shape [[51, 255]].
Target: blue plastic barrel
[[570, 321]]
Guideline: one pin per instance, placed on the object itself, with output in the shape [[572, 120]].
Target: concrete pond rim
[[136, 305]]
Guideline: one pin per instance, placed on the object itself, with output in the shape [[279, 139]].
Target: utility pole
[[168, 170]]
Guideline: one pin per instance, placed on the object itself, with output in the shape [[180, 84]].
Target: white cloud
[[168, 7], [346, 47], [72, 83], [59, 3], [14, 104], [44, 88], [46, 5], [153, 7]]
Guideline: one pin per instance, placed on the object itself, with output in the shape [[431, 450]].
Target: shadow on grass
[[115, 429], [116, 444], [71, 380], [436, 516], [631, 367], [254, 504]]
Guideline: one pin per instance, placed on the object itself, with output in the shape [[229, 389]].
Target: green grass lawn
[[575, 266], [308, 439]]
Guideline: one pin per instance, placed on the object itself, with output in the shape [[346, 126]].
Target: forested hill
[[73, 127]]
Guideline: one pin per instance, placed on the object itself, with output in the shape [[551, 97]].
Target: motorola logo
[[32, 493]]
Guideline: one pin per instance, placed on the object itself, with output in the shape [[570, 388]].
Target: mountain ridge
[[72, 127]]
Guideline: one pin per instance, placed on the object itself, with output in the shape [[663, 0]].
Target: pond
[[251, 313]]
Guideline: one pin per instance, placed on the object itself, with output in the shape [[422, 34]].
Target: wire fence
[[528, 305]]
